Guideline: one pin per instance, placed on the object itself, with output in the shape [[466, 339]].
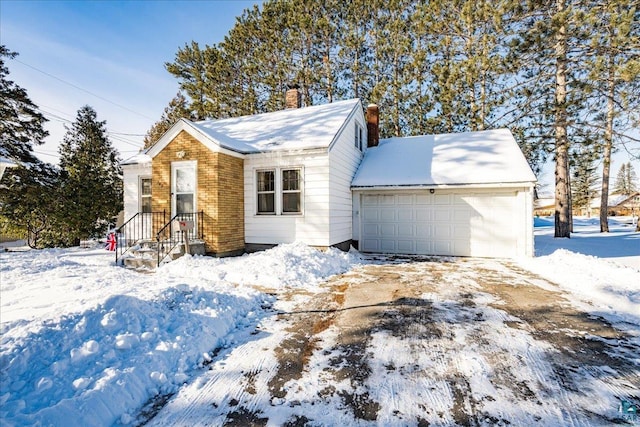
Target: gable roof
[[292, 129], [484, 157]]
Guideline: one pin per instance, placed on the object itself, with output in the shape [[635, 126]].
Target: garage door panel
[[405, 214], [442, 215], [406, 246], [387, 214], [370, 215], [387, 230], [387, 200], [388, 246], [405, 199], [423, 199], [369, 200], [370, 229], [422, 215], [406, 230], [371, 245]]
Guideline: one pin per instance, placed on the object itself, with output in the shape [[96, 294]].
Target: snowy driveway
[[417, 342]]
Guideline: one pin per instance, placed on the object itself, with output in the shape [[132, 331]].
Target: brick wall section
[[220, 191]]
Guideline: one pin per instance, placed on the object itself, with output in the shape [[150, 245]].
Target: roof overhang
[[468, 186], [204, 139]]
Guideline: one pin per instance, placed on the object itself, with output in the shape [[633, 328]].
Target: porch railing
[[171, 235], [140, 227]]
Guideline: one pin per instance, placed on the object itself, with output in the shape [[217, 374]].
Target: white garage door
[[456, 224]]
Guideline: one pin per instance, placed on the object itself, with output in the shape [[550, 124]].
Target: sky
[[106, 54], [111, 55]]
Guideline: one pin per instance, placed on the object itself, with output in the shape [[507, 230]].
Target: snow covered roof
[[484, 157], [613, 200], [139, 158], [291, 129]]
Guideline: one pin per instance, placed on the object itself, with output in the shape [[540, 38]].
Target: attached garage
[[413, 196]]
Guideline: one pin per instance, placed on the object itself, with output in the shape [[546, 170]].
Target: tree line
[[54, 205], [563, 75]]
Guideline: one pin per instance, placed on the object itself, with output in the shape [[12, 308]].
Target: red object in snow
[[111, 242]]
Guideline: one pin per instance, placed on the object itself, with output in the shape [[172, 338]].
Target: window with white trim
[[145, 194], [266, 192], [358, 136], [291, 191]]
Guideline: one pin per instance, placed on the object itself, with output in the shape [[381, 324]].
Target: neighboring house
[[544, 206], [318, 175], [618, 205]]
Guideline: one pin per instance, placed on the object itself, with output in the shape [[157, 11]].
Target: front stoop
[[144, 257]]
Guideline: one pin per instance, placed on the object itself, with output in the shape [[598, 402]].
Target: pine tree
[[614, 78], [584, 180], [21, 124], [626, 181], [91, 177], [177, 109], [30, 205]]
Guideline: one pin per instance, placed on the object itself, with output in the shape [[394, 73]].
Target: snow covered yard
[[266, 339]]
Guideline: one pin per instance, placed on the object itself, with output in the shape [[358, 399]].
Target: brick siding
[[220, 191]]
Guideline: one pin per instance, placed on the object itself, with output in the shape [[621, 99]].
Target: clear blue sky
[[107, 54], [113, 52]]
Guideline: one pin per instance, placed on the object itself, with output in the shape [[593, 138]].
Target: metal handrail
[[139, 227], [168, 237]]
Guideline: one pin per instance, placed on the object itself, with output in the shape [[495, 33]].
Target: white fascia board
[[206, 140], [444, 186]]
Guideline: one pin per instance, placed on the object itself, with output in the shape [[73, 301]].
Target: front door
[[183, 187]]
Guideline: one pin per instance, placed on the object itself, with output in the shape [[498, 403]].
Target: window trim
[[358, 135], [141, 195], [272, 192], [298, 191], [279, 191]]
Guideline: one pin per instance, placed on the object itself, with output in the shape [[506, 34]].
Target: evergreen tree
[[21, 124], [91, 177], [614, 78], [584, 180], [30, 205], [177, 109], [626, 180]]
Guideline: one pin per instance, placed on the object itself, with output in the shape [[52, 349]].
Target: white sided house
[[319, 175]]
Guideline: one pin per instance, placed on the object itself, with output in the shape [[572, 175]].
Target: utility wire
[[82, 89]]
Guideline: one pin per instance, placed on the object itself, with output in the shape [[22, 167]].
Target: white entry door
[[183, 187]]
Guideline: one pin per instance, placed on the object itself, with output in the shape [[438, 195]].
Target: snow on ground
[[85, 342], [600, 270]]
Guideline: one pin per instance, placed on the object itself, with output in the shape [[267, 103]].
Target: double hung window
[[279, 191], [266, 192]]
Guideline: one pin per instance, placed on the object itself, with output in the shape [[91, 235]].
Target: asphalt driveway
[[417, 342]]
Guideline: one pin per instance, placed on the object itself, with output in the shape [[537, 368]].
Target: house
[[617, 204], [320, 175]]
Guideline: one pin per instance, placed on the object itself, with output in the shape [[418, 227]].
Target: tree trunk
[[608, 146], [562, 219]]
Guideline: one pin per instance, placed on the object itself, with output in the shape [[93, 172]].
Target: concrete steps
[[144, 256]]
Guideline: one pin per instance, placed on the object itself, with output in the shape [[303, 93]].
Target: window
[[291, 191], [266, 192], [358, 136], [145, 194]]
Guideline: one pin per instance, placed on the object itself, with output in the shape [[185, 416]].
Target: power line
[[82, 89]]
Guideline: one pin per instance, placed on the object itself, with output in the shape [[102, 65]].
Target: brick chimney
[[293, 97], [373, 132]]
